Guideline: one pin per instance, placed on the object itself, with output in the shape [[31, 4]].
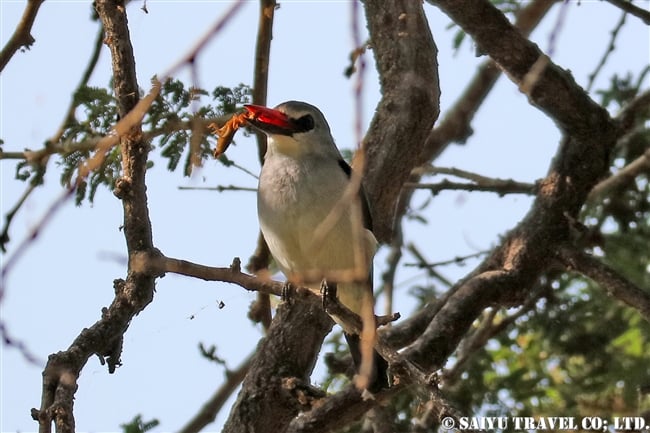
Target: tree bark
[[406, 58], [276, 388]]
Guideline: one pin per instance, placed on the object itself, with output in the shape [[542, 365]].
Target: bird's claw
[[288, 292], [328, 294]]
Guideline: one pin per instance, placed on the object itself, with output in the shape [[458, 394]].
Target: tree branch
[[610, 49], [405, 54], [582, 159], [133, 294], [455, 126], [498, 186], [450, 324], [262, 256], [266, 403], [625, 175], [22, 35], [41, 158], [333, 413], [192, 55], [611, 281], [211, 408], [627, 6]]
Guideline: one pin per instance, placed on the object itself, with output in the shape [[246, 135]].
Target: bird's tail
[[378, 379]]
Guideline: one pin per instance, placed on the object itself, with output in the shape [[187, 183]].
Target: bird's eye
[[305, 123]]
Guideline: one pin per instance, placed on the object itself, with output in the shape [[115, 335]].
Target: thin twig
[[454, 261], [4, 236], [9, 341], [430, 271], [211, 408], [480, 182], [610, 49], [488, 330], [388, 276], [83, 82], [557, 28], [501, 187], [614, 283], [259, 260], [191, 56], [41, 158], [219, 188]]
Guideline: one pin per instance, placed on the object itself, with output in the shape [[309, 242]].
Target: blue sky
[[60, 285]]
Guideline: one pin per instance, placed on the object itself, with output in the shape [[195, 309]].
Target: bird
[[302, 180]]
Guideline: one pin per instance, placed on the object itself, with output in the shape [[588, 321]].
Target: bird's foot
[[328, 294], [288, 292], [388, 318]]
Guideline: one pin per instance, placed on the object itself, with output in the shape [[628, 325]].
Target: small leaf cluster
[[178, 114], [137, 425], [178, 105]]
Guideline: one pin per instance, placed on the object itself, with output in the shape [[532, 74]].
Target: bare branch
[[9, 341], [213, 406], [262, 57], [334, 412], [625, 175], [388, 276], [615, 284], [517, 55], [133, 294], [4, 236], [638, 108], [455, 260], [406, 58], [261, 256], [157, 264], [423, 263], [629, 7], [41, 158], [218, 188], [450, 324], [498, 186], [455, 126], [608, 51], [192, 55], [22, 35], [516, 264]]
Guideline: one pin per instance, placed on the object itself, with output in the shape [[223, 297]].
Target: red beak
[[268, 119]]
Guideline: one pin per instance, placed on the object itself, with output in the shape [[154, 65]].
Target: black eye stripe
[[304, 123]]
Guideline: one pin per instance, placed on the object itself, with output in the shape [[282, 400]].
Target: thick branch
[[266, 403], [550, 88], [335, 413], [582, 159], [449, 326], [405, 54], [133, 294], [455, 126]]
